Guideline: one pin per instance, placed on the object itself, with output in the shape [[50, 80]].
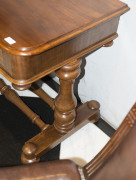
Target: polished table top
[[37, 25], [38, 37]]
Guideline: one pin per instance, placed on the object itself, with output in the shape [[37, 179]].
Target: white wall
[[110, 76]]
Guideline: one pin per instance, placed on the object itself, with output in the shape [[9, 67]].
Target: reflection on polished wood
[[39, 37]]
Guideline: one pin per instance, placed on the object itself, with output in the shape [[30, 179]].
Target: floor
[[80, 147]]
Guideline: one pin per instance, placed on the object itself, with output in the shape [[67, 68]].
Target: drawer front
[[27, 69]]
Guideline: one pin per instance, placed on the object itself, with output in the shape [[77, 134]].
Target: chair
[[116, 160]]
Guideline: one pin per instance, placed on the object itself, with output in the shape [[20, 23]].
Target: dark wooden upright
[[38, 37]]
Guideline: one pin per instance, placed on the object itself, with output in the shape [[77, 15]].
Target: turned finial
[[93, 105], [109, 44], [28, 154], [21, 87]]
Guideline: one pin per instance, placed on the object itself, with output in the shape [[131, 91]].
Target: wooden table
[[39, 37]]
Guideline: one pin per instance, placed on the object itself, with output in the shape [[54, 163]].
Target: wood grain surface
[[49, 34], [38, 25]]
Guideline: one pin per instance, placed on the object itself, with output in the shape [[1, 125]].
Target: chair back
[[117, 160]]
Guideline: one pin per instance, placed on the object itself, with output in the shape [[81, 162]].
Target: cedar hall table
[[39, 37]]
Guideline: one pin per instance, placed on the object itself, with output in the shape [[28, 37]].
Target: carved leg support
[[48, 139], [67, 119], [28, 156], [66, 102], [12, 96]]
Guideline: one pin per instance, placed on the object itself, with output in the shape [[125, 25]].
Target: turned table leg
[[67, 118], [66, 102]]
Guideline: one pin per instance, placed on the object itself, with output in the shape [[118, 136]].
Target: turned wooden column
[[66, 102]]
